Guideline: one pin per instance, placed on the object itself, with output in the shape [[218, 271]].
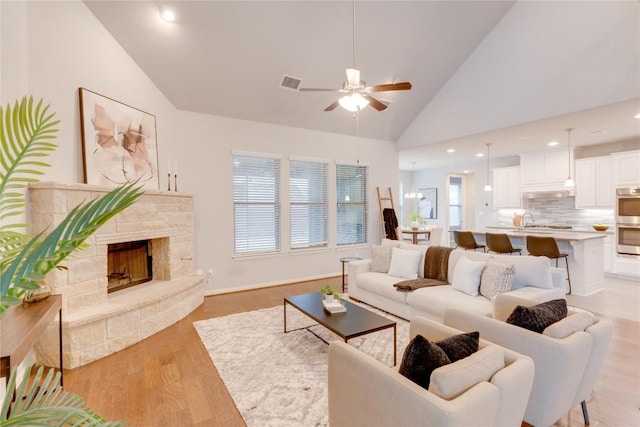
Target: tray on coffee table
[[355, 322]]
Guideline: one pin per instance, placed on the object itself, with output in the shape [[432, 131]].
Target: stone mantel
[[95, 323]]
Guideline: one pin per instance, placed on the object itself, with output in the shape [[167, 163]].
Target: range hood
[[548, 194]]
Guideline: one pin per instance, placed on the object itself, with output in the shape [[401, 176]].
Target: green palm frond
[[26, 132], [43, 402], [43, 253]]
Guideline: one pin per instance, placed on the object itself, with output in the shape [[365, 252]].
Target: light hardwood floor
[[169, 380]]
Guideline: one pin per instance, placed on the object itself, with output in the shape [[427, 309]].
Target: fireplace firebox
[[128, 264]]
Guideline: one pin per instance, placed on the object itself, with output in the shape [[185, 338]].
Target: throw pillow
[[466, 276], [458, 347], [450, 381], [529, 271], [420, 358], [578, 321], [404, 263], [380, 258], [419, 248], [503, 304], [537, 317], [496, 279]]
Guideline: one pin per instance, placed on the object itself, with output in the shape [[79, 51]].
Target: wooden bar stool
[[547, 246], [500, 243], [465, 240]]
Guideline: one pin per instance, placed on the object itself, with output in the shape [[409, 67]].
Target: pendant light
[[487, 187], [569, 182], [413, 194]]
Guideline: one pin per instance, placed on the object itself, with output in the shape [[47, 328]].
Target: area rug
[[279, 379]]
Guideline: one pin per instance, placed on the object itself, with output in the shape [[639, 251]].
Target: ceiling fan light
[[354, 102], [353, 77]]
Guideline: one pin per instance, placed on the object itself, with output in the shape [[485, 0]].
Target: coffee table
[[355, 322]]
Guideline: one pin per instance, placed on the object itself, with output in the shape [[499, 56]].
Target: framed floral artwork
[[119, 142]]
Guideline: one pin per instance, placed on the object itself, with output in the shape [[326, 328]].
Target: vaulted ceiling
[[228, 58]]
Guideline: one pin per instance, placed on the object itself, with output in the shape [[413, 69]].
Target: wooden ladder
[[380, 202]]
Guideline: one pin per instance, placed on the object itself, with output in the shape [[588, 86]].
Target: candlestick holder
[[175, 179], [169, 181]]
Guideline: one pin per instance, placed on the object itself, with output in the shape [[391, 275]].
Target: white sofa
[[535, 280], [365, 392]]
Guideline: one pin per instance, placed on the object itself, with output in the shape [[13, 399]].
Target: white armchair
[[365, 392], [565, 369]]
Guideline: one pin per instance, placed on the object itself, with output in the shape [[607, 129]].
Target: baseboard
[[211, 292]]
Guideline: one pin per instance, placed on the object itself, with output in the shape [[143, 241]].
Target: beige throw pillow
[[496, 279], [404, 263], [450, 381], [380, 258]]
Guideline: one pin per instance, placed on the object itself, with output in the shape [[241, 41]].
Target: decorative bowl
[[600, 227]]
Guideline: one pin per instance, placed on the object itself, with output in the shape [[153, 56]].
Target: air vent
[[289, 82]]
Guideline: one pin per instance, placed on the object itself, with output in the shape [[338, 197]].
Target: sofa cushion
[[420, 358], [466, 276], [537, 317], [529, 270], [404, 263], [418, 248], [432, 302], [497, 278], [459, 346], [451, 380], [382, 284], [575, 322], [380, 258]]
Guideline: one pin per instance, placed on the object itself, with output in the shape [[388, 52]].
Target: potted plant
[[328, 293], [416, 220], [26, 134]]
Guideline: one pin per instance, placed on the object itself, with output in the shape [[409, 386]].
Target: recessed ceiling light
[[451, 150], [480, 155], [465, 171], [597, 131], [637, 116], [167, 15], [553, 143]]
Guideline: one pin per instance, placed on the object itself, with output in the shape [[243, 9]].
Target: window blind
[[256, 200], [352, 187], [308, 203]]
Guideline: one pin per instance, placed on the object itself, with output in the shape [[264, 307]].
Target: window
[[455, 203], [308, 203], [256, 203], [351, 186]]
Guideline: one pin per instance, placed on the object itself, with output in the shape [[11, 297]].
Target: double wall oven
[[628, 220]]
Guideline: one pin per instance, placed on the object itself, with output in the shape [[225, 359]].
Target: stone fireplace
[[100, 317]]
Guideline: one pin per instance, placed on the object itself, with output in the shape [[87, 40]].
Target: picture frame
[[119, 142], [428, 203]]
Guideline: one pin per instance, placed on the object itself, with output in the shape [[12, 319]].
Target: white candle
[[176, 168], [169, 166]]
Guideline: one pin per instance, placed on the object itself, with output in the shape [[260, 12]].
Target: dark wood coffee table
[[355, 322]]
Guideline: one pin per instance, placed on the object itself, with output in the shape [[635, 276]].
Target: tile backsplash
[[558, 211]]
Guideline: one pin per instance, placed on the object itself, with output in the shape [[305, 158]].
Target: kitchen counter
[[585, 249], [540, 230]]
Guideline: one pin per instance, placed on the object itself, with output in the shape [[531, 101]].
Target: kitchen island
[[586, 253]]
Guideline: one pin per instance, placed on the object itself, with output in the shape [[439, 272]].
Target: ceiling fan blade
[[332, 106], [374, 102], [390, 87], [318, 89]]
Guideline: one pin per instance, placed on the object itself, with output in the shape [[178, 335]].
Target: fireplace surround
[[95, 322]]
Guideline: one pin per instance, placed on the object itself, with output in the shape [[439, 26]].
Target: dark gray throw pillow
[[420, 358], [536, 318], [458, 347]]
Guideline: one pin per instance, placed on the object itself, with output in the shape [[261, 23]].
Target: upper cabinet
[[506, 188], [626, 168], [547, 170], [594, 182]]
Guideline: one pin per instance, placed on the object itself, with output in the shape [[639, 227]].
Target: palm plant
[[26, 134]]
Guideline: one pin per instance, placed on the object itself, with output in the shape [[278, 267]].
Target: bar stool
[[547, 246], [500, 243], [465, 240]]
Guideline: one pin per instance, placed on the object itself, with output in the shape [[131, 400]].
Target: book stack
[[333, 306]]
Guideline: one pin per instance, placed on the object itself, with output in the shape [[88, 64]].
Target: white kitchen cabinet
[[626, 167], [594, 182], [546, 170], [609, 253], [506, 188]]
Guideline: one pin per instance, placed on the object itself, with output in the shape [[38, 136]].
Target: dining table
[[415, 233]]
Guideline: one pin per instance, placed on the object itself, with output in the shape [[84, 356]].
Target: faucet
[[522, 221]]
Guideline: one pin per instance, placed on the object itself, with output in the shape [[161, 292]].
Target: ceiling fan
[[357, 93]]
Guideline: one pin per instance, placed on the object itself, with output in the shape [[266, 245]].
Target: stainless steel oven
[[628, 220]]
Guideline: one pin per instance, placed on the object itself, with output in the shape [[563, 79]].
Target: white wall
[[50, 49]]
